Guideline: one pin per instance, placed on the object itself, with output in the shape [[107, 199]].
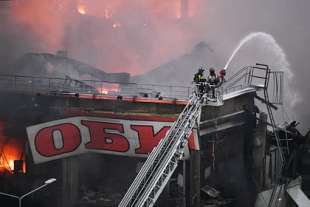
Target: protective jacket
[[212, 79], [199, 77]]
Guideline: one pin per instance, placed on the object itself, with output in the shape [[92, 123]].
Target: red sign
[[72, 136]]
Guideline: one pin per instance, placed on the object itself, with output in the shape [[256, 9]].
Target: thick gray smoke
[[15, 40], [138, 36]]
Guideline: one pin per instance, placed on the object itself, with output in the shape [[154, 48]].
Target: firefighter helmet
[[212, 70], [201, 70]]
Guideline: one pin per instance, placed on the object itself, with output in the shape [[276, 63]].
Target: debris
[[212, 192]]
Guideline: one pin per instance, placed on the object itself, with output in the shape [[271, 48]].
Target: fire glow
[[178, 10], [10, 150], [81, 9], [111, 34], [108, 89]]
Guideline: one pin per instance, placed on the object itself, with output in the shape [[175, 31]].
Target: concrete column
[[70, 184], [192, 179]]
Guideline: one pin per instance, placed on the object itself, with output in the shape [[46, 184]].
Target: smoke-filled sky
[[138, 35], [133, 36]]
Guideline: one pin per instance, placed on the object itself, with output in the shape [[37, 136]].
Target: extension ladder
[[163, 160]]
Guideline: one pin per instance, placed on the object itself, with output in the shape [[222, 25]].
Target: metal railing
[[250, 76], [238, 81], [241, 79], [69, 85]]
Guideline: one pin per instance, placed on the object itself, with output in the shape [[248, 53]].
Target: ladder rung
[[255, 76], [260, 64], [160, 170], [260, 68]]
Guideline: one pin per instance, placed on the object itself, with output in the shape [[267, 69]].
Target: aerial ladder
[[163, 160]]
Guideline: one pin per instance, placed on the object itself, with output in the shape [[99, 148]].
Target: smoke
[[133, 36], [15, 40], [262, 47], [136, 36], [129, 36], [286, 21]]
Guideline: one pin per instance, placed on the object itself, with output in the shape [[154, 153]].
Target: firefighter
[[200, 80], [212, 80]]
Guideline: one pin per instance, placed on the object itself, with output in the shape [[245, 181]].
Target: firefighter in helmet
[[212, 81], [200, 80]]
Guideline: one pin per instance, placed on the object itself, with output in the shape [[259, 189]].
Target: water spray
[[292, 97], [269, 40]]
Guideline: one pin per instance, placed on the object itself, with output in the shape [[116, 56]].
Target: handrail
[[56, 84]]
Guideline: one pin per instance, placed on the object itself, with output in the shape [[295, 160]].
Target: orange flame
[[10, 150], [81, 9], [111, 88]]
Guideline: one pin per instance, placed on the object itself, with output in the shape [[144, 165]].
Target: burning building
[[93, 135], [94, 143]]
